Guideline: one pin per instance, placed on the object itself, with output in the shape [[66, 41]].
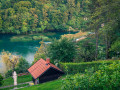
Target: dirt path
[[16, 85]]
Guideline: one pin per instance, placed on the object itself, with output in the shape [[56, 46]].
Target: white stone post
[[15, 77]]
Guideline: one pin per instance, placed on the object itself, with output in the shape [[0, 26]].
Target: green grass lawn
[[20, 79], [51, 85]]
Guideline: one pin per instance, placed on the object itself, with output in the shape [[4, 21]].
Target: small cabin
[[43, 71]]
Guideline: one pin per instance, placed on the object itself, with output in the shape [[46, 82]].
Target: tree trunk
[[13, 67], [96, 36], [106, 47], [107, 42]]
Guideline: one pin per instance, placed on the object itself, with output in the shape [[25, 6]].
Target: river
[[25, 49]]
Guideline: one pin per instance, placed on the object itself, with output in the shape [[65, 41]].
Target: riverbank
[[27, 47]]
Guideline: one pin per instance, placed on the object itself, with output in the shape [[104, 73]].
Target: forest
[[90, 58], [33, 16]]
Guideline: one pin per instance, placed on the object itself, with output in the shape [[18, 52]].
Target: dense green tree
[[62, 50], [104, 16]]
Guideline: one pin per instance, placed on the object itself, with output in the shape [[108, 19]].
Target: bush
[[1, 80], [9, 73], [23, 65], [107, 77], [62, 50], [73, 68]]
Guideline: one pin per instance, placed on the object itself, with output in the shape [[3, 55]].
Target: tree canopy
[[32, 16], [63, 50]]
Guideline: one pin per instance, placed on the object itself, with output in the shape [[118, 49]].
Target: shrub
[[73, 68], [23, 65], [1, 80], [107, 77], [9, 73]]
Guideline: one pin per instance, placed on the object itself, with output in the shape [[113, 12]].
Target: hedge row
[[73, 68]]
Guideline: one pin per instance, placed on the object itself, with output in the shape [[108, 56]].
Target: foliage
[[22, 66], [62, 50], [106, 77], [116, 46], [9, 73], [41, 52], [1, 80], [9, 60], [105, 22], [85, 51], [23, 17], [73, 68]]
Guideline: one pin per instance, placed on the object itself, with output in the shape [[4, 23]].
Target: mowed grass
[[51, 85], [20, 79]]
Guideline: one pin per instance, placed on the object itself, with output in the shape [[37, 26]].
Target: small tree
[[21, 67], [10, 60], [62, 50]]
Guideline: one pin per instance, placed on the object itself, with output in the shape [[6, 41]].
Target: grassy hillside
[[21, 79], [52, 85]]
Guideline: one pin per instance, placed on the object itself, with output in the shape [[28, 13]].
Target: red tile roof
[[40, 67]]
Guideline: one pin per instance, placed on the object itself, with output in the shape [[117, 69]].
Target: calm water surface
[[25, 49]]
